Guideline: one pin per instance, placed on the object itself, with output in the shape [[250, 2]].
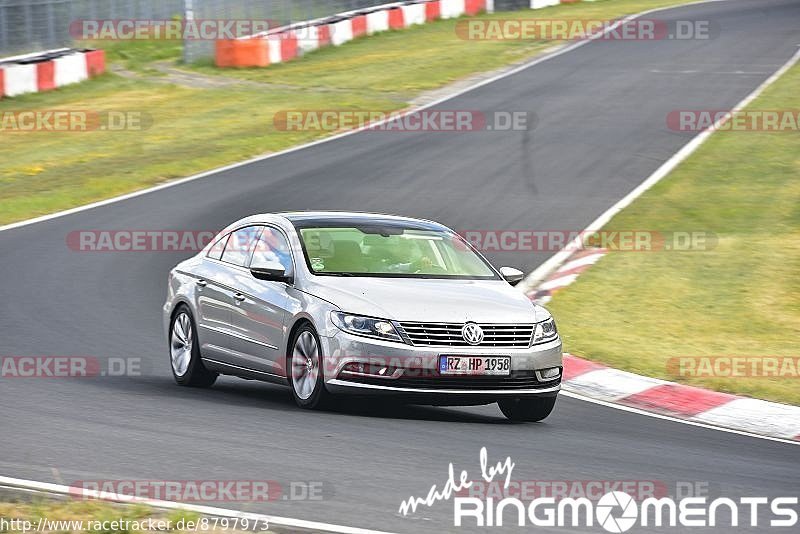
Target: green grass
[[110, 517], [137, 55], [75, 510], [198, 128], [635, 311]]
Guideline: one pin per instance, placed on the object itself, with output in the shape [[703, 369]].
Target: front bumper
[[414, 370]]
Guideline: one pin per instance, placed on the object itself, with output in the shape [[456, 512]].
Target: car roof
[[310, 219]]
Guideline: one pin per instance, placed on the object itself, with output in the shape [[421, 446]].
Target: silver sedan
[[353, 303]]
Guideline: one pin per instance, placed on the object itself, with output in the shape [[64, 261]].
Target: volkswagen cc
[[332, 303]]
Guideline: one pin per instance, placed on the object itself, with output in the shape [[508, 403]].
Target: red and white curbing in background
[[596, 381], [755, 416], [538, 4], [289, 42], [45, 71], [566, 274]]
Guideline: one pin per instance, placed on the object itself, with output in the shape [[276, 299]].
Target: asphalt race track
[[600, 131]]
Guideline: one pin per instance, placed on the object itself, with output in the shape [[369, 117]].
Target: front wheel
[[527, 410], [184, 352], [305, 366]]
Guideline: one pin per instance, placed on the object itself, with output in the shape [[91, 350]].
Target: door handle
[[238, 297], [202, 283]]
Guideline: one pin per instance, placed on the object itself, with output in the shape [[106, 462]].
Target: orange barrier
[[2, 83], [242, 52]]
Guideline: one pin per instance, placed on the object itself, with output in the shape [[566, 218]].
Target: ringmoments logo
[[615, 511]]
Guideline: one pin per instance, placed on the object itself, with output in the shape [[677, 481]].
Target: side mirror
[[271, 271], [513, 276]]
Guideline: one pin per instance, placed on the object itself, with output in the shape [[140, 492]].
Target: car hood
[[428, 300]]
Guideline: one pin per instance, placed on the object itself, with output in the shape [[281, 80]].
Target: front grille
[[449, 335], [517, 380]]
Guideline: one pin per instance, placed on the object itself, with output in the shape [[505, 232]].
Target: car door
[[260, 307], [213, 302], [217, 296]]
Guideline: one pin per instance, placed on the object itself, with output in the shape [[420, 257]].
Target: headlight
[[365, 326], [544, 331]]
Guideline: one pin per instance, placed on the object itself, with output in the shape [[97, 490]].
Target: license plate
[[474, 365]]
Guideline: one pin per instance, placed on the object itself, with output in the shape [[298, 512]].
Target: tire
[[305, 369], [187, 367], [527, 410]]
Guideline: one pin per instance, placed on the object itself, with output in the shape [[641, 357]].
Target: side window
[[215, 252], [240, 245], [272, 247]]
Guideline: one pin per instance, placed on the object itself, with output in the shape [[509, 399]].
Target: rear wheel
[[305, 366], [184, 351], [527, 409]]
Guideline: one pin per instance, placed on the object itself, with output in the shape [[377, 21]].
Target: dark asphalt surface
[[601, 130]]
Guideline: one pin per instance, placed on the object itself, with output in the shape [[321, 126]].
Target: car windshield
[[391, 251]]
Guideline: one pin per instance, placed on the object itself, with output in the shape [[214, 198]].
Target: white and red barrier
[[49, 70], [377, 21], [283, 44], [596, 381], [538, 4], [414, 14]]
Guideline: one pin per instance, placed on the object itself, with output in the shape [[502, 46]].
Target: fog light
[[356, 368], [361, 368], [549, 374]]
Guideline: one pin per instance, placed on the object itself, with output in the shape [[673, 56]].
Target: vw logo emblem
[[472, 333]]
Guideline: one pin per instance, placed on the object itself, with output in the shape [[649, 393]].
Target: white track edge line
[[171, 505], [415, 109], [664, 170], [639, 411]]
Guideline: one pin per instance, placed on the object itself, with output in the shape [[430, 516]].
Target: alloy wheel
[[305, 365], [181, 344]]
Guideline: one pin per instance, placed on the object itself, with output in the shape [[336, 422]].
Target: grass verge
[[97, 517], [636, 311], [198, 126]]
